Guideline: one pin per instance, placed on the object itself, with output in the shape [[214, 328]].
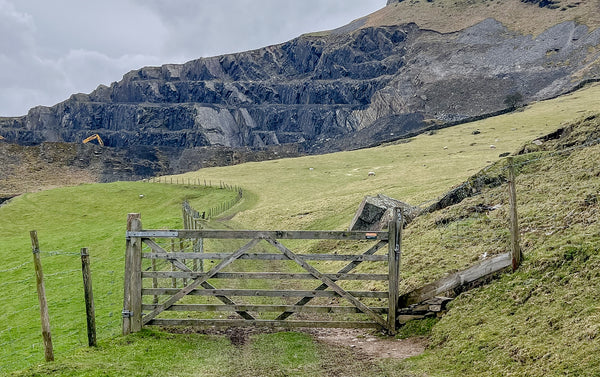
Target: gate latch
[[127, 314]]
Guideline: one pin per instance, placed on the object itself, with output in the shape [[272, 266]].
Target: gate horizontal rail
[[264, 323], [262, 234], [266, 308], [260, 293], [319, 257], [258, 275]]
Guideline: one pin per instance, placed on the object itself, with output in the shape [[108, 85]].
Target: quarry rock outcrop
[[348, 89]]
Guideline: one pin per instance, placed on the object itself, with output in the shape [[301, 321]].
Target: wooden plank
[[261, 293], [259, 275], [349, 267], [448, 283], [156, 248], [183, 292], [89, 297], [41, 291], [395, 239], [330, 283], [261, 323], [261, 234], [264, 256], [266, 308], [403, 318]]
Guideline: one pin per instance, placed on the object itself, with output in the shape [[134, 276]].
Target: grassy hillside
[[524, 17], [544, 319], [540, 320]]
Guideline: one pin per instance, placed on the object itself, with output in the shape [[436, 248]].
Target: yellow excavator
[[94, 137], [1, 137]]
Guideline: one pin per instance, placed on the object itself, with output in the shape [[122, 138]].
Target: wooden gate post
[[89, 297], [132, 292], [515, 246], [394, 252], [41, 290]]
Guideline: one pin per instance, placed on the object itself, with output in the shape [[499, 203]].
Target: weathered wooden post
[[132, 301], [184, 215], [394, 252], [41, 290], [89, 297], [515, 246]]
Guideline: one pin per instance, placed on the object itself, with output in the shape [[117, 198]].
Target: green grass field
[[66, 220], [526, 323]]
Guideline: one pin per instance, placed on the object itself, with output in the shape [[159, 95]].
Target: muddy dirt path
[[368, 345]]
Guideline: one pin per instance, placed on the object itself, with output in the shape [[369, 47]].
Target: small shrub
[[513, 100]]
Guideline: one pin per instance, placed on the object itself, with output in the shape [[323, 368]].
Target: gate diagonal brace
[[349, 267], [198, 281], [330, 283]]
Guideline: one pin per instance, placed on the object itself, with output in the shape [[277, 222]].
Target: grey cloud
[[52, 49]]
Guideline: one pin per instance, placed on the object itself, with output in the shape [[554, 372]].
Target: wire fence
[[21, 343], [208, 213]]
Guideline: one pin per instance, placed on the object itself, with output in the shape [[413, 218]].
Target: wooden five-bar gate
[[180, 294]]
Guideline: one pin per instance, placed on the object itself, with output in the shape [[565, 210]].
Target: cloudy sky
[[52, 49]]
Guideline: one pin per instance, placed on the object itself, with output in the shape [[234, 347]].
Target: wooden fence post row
[[192, 182], [41, 290]]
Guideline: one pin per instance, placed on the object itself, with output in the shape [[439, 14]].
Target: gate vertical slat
[[174, 280]]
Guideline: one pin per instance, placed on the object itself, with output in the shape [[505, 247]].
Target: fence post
[[89, 297], [132, 300], [394, 252], [515, 247], [41, 290], [184, 215]]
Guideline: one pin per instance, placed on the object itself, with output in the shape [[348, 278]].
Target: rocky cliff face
[[352, 88]]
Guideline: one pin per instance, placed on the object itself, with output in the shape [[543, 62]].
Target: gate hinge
[[127, 313]]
